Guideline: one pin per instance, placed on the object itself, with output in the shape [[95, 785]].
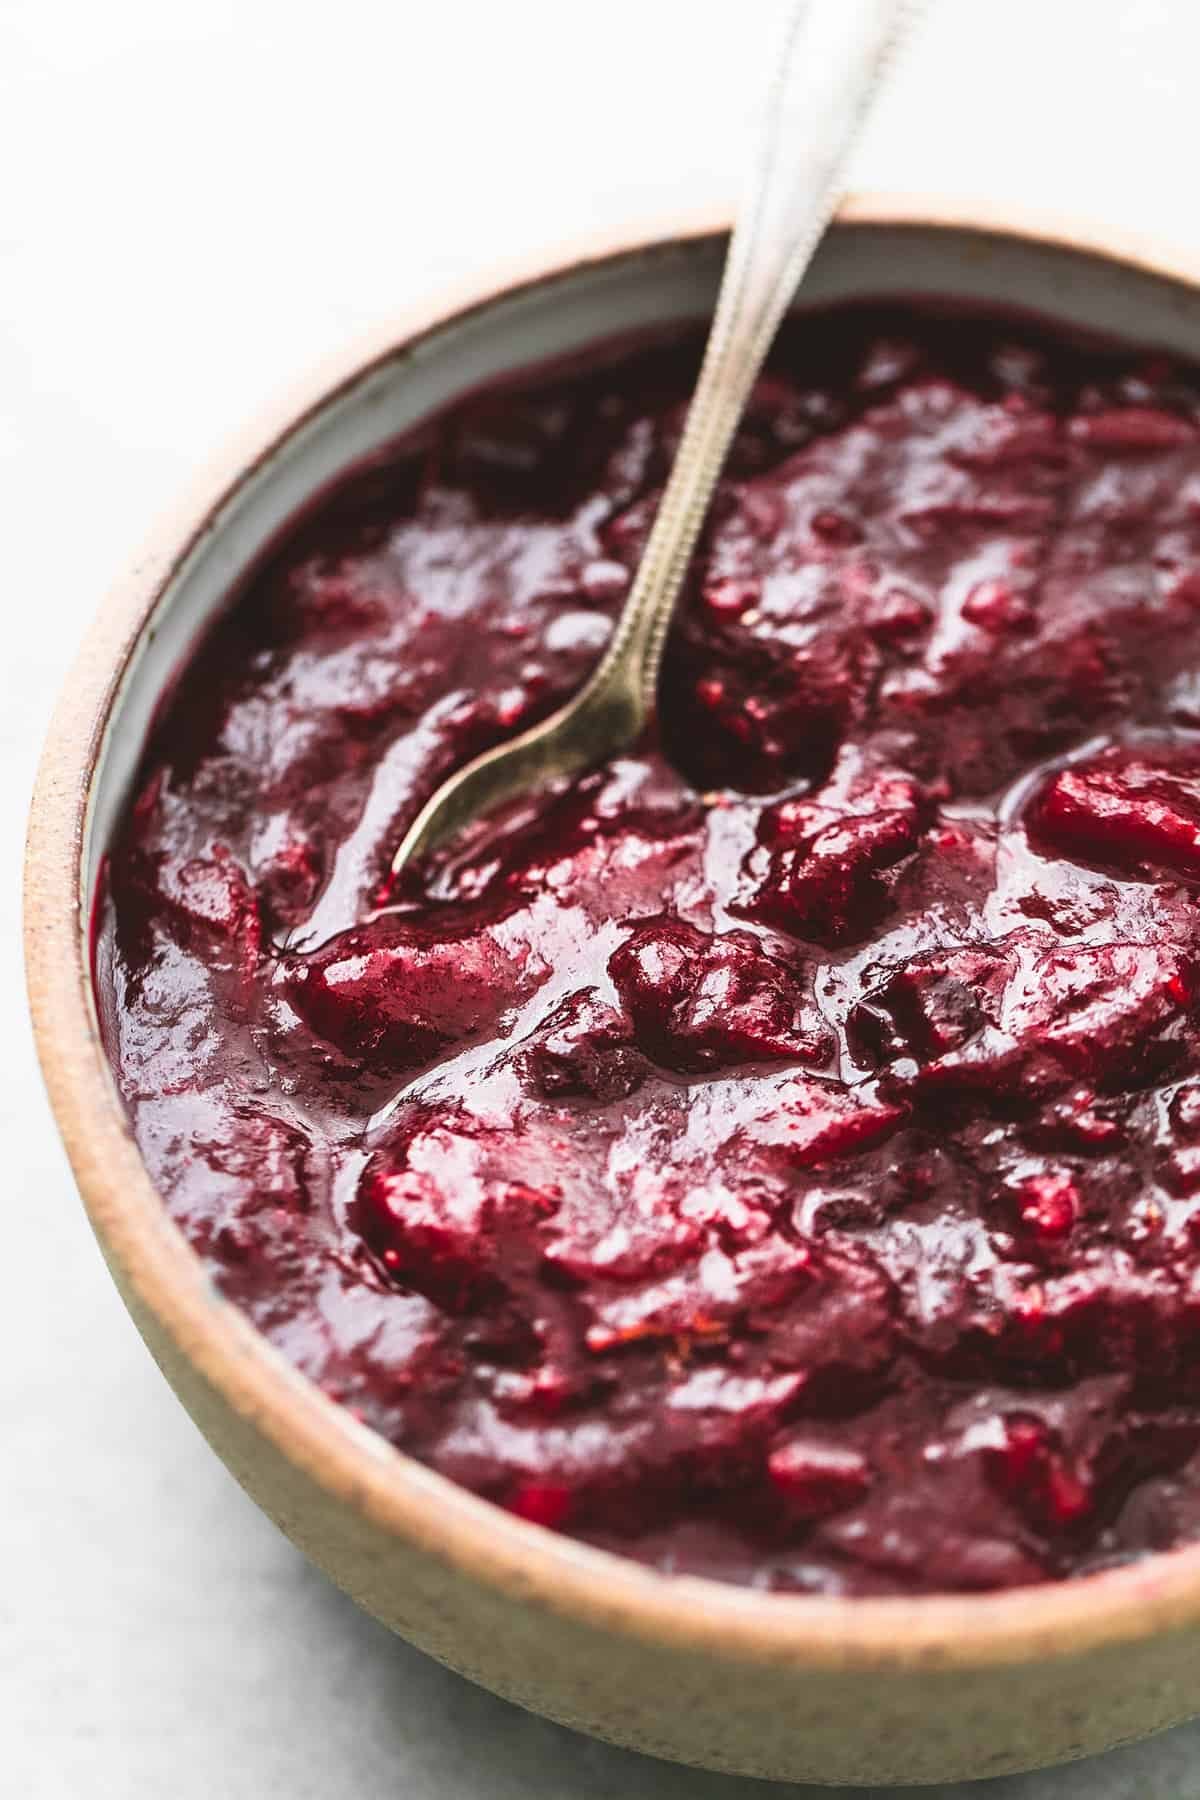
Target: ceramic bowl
[[854, 1691]]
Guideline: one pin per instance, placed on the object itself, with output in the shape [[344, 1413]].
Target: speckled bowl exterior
[[858, 1691]]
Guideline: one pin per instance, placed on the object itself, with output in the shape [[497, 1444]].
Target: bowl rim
[[395, 1494]]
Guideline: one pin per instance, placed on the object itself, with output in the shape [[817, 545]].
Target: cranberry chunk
[[816, 1478], [700, 1001], [994, 607], [1032, 1471], [546, 1503], [1114, 1015], [209, 898], [1134, 809], [932, 1004], [820, 873], [806, 1121], [704, 1300], [1048, 1207], [758, 727], [1107, 1313], [585, 1047], [443, 1234], [634, 1248], [393, 996], [1132, 428]]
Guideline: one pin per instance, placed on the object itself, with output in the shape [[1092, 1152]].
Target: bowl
[[855, 1691]]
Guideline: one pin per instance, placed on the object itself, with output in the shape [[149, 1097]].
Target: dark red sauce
[[778, 1155]]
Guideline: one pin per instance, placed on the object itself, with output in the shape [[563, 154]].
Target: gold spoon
[[832, 59]]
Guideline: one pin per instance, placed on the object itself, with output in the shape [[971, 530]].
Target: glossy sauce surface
[[777, 1155]]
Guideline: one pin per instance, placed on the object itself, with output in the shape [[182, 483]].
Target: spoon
[[832, 60]]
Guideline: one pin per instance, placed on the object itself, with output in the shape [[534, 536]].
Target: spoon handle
[[833, 56], [832, 59]]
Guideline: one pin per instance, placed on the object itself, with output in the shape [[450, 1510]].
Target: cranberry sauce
[[776, 1154]]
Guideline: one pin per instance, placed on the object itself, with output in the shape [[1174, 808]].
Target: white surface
[[200, 197]]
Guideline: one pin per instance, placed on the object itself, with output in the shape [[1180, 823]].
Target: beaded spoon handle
[[830, 68]]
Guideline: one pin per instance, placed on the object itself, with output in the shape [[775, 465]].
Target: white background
[[197, 198]]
